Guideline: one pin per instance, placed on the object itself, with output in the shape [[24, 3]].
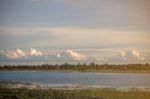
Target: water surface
[[115, 80]]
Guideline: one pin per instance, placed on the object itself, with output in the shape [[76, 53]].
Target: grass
[[6, 93]]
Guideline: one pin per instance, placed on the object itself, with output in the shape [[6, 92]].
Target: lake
[[83, 79]]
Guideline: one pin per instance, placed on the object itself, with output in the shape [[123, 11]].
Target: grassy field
[[6, 93]]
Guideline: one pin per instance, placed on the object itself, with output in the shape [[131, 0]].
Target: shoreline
[[74, 71], [22, 93], [26, 85]]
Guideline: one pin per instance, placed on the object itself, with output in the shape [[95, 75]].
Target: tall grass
[[72, 94]]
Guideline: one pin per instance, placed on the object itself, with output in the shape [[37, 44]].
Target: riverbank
[[90, 71], [73, 85], [25, 85], [21, 93]]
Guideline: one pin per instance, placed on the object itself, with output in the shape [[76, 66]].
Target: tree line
[[80, 67]]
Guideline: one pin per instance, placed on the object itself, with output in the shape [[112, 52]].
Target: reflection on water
[[115, 80]]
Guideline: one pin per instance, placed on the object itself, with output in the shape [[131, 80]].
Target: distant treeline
[[80, 67]]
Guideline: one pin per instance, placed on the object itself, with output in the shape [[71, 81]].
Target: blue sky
[[112, 31]]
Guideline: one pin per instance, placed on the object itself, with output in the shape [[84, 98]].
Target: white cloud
[[127, 56], [71, 55], [97, 56], [34, 52], [132, 54], [18, 53]]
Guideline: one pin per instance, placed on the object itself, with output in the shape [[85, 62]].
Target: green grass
[[72, 94]]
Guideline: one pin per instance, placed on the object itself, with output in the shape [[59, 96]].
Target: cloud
[[37, 56], [75, 55], [132, 54], [128, 56], [18, 53], [71, 55], [34, 52]]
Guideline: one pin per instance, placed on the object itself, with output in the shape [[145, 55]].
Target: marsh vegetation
[[6, 93]]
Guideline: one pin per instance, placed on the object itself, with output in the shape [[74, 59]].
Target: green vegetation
[[92, 67], [72, 94]]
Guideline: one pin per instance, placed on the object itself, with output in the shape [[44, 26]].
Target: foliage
[[72, 94], [82, 67]]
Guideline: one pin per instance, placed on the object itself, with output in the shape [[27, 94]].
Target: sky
[[100, 31]]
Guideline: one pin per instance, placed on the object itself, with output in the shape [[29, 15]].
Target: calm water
[[115, 80]]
